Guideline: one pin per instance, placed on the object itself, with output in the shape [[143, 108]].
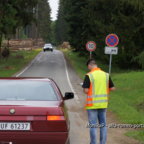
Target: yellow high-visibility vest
[[98, 94]]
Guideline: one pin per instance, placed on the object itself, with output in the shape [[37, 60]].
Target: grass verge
[[16, 61], [137, 135], [127, 102]]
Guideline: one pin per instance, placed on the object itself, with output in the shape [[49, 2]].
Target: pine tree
[[78, 30], [61, 26], [53, 34], [44, 20], [121, 18], [95, 19]]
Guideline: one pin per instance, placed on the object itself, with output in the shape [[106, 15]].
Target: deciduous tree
[[15, 13]]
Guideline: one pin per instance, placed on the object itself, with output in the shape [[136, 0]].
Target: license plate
[[14, 126]]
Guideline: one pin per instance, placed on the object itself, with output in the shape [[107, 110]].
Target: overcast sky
[[54, 8]]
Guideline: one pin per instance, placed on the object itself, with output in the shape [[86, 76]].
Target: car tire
[[43, 50], [68, 141], [52, 50]]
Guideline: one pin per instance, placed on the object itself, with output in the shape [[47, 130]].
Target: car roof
[[26, 78]]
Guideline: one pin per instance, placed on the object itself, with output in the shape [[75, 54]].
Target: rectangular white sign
[[111, 50]]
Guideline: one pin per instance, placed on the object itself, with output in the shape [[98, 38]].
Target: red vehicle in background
[[32, 111]]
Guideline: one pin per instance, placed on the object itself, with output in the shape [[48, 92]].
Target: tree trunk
[[32, 30], [0, 46], [8, 43], [17, 33], [20, 33], [37, 26], [27, 31]]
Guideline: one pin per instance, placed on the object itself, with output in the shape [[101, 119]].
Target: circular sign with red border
[[112, 40], [91, 46]]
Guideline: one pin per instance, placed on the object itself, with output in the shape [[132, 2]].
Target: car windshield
[[48, 45], [27, 90]]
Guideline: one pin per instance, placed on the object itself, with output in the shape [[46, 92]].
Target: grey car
[[48, 47]]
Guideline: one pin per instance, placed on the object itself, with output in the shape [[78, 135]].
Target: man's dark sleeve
[[86, 83], [110, 83]]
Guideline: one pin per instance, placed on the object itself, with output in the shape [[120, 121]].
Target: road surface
[[54, 65]]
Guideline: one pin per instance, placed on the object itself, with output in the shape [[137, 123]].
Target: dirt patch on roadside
[[8, 67]]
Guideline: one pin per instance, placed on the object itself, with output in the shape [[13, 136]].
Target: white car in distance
[[48, 47]]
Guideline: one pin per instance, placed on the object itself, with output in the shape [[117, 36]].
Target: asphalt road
[[53, 65]]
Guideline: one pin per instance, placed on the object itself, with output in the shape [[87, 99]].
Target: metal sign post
[[91, 46], [90, 54], [111, 40], [110, 64], [111, 51]]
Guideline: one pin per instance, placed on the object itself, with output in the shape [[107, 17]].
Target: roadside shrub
[[17, 55], [140, 59]]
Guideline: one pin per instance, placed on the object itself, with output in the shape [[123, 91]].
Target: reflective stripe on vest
[[101, 95], [98, 101], [99, 98]]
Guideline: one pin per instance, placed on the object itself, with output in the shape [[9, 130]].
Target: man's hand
[[112, 89], [86, 90]]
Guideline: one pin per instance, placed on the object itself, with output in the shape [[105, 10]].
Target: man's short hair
[[91, 62]]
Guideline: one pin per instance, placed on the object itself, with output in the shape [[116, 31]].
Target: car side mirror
[[69, 95]]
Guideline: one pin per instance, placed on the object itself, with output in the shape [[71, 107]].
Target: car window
[[27, 90], [48, 45]]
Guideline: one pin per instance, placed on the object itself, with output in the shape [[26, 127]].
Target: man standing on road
[[97, 85]]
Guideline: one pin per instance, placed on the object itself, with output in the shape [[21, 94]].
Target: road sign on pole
[[91, 46], [112, 40]]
